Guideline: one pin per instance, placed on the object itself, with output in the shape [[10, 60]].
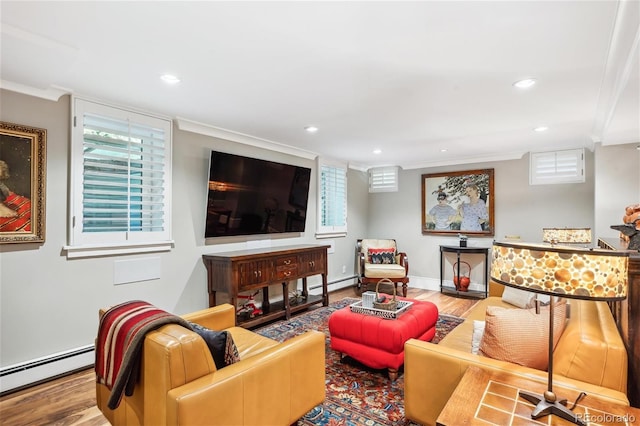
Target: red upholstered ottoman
[[377, 342]]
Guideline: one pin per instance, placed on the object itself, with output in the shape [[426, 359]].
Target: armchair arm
[[216, 318], [428, 367], [404, 261], [277, 386], [361, 260]]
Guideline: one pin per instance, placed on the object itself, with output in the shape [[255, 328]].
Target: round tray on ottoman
[[377, 342]]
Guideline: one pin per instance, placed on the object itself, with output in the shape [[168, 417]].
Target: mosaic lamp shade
[[566, 235], [563, 272]]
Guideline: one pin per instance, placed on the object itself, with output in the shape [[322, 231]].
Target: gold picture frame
[[458, 203], [22, 183]]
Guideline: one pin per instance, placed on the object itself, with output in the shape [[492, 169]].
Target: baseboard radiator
[[29, 373], [337, 284]]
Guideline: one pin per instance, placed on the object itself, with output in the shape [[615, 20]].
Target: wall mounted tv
[[250, 196]]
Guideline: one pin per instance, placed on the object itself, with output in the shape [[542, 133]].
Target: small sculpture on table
[[631, 228]]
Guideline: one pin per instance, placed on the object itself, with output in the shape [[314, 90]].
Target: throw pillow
[[382, 255], [476, 337], [220, 343], [520, 298], [521, 336]]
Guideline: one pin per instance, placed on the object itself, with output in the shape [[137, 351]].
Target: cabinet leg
[[265, 299], [325, 293], [285, 296]]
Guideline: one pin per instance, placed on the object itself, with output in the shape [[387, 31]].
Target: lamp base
[[549, 405]]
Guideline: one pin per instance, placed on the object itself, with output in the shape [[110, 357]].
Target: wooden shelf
[[461, 251], [471, 294], [248, 270]]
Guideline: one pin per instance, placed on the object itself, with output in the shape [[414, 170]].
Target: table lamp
[[563, 272]]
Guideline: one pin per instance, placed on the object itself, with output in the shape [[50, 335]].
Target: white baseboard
[[26, 373]]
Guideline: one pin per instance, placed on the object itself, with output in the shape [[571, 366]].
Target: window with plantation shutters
[[332, 203], [383, 179], [565, 166], [121, 181]]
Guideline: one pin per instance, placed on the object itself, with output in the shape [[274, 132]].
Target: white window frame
[[86, 244], [335, 230], [383, 179], [554, 167]]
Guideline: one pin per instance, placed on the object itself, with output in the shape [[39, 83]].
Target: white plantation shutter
[[383, 179], [332, 205], [556, 167], [121, 167]]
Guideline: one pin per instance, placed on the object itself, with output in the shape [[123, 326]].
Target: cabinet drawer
[[286, 261], [286, 272]]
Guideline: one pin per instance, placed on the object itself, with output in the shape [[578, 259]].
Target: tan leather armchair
[[273, 383], [370, 273]]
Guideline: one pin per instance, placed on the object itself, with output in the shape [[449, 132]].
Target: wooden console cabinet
[[627, 316], [248, 270]]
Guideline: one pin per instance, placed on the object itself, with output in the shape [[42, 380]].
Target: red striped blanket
[[121, 334]]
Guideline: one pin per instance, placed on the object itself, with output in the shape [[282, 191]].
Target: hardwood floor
[[70, 400]]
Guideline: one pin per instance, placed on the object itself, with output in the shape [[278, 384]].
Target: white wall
[[49, 304], [618, 185], [520, 209]]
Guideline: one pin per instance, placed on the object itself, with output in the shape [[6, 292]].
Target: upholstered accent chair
[[379, 258]]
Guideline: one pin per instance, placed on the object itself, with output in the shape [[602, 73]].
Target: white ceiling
[[409, 78]]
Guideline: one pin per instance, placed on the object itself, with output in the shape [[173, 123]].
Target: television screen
[[251, 196]]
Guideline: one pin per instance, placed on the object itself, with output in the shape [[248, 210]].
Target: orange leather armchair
[[273, 383]]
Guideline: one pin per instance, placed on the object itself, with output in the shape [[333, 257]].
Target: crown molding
[[457, 161], [51, 93], [621, 58], [230, 135]]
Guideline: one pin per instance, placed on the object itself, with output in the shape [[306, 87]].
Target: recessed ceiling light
[[170, 79], [541, 129], [443, 150], [525, 84], [377, 151], [311, 129]]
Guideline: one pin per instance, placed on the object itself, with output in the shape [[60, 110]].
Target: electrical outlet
[[344, 269]]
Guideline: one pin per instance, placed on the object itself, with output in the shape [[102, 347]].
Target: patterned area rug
[[356, 394]]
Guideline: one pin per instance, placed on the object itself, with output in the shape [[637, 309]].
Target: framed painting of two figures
[[458, 203]]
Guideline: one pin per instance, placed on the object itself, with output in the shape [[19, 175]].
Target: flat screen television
[[249, 196]]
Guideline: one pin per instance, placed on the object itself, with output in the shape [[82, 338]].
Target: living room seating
[[272, 384], [589, 356], [379, 258]]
